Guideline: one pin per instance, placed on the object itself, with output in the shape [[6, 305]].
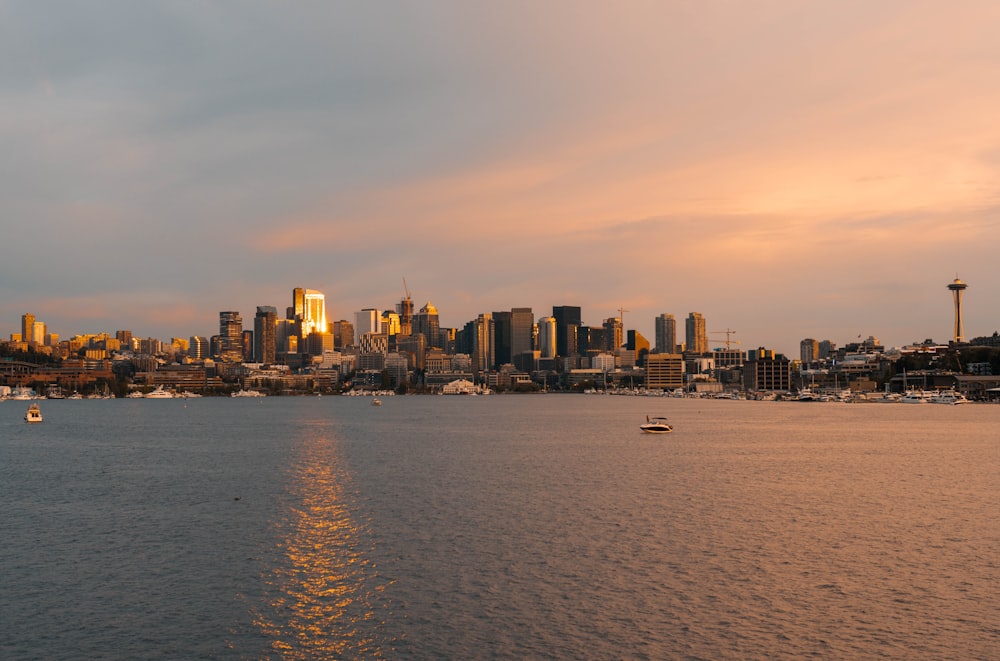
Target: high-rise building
[[298, 308], [230, 337], [502, 337], [367, 321], [547, 337], [521, 322], [405, 310], [343, 334], [198, 348], [809, 350], [38, 332], [313, 312], [666, 333], [638, 344], [265, 325], [614, 335], [484, 344], [426, 322], [696, 335], [567, 325], [27, 326]]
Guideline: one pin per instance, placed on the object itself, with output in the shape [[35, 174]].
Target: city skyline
[[309, 306], [788, 169]]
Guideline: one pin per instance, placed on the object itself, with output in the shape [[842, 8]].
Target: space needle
[[957, 287]]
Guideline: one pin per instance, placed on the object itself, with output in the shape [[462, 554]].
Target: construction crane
[[728, 333], [405, 288]]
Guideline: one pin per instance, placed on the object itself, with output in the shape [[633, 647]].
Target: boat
[[159, 393], [913, 397], [806, 395], [376, 401], [34, 413], [657, 425], [247, 393], [22, 393], [948, 397], [55, 392]]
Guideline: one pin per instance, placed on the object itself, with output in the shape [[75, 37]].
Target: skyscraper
[[666, 333], [696, 335], [567, 325], [230, 337], [313, 313], [366, 321], [484, 344], [613, 334], [27, 326], [265, 334], [521, 322], [426, 322], [502, 337], [405, 310], [547, 337]]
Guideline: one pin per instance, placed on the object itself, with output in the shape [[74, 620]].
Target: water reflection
[[325, 598]]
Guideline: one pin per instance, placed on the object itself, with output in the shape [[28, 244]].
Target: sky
[[787, 168]]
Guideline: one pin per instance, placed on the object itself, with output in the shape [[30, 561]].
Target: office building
[[547, 337], [265, 325], [614, 334], [313, 312], [502, 322], [665, 327], [522, 321], [808, 351], [664, 371], [766, 370], [567, 326], [198, 347], [27, 326], [696, 335], [367, 321], [426, 321], [230, 349]]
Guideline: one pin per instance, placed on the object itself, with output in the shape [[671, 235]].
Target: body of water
[[503, 527]]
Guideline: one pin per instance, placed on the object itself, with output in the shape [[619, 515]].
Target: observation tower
[[957, 287]]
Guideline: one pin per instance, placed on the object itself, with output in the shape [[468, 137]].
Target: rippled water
[[498, 528]]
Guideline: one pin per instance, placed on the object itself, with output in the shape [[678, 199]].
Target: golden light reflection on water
[[323, 599]]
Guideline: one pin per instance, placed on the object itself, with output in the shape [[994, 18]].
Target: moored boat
[[159, 393], [948, 397]]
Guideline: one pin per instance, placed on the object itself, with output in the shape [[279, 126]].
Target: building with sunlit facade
[[696, 335]]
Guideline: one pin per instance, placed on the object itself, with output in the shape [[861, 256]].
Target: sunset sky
[[788, 168]]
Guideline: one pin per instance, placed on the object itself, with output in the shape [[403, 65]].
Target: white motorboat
[[657, 425], [806, 395], [376, 401], [159, 393], [948, 397], [248, 393], [22, 394], [913, 397], [34, 413]]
